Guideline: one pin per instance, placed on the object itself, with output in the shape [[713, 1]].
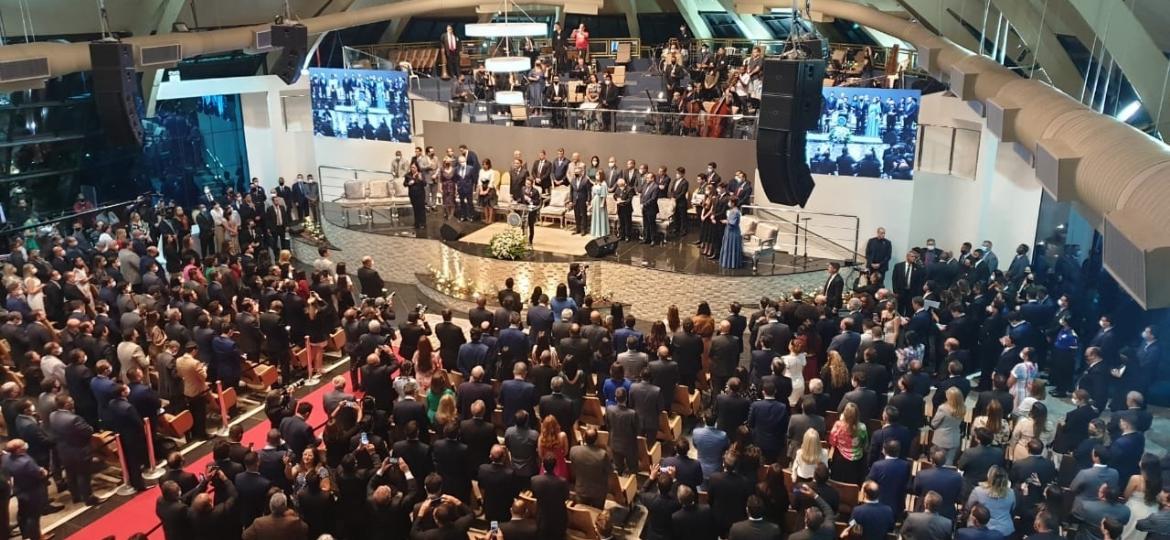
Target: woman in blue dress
[[599, 224], [536, 85], [731, 256]]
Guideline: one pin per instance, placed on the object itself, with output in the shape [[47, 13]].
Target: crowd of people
[[825, 407], [459, 182]]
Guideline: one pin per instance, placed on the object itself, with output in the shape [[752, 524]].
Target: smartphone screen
[[495, 526], [365, 438]]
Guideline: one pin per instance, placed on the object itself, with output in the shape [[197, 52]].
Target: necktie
[[909, 269], [279, 218]]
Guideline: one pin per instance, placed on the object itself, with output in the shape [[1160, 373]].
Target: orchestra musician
[[672, 75], [560, 61], [556, 96]]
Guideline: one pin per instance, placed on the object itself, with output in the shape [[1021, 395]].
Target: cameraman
[[577, 282], [415, 328]]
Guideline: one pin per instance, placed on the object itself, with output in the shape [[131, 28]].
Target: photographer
[[414, 329], [576, 281]]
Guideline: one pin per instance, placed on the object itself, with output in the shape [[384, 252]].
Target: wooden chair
[[259, 377], [300, 357], [583, 519], [850, 493], [648, 455], [623, 489], [831, 418], [592, 413], [337, 340], [176, 426], [229, 398], [686, 402], [669, 427], [455, 378]]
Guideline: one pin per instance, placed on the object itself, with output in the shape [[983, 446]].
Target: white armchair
[[558, 205], [355, 195], [762, 242]]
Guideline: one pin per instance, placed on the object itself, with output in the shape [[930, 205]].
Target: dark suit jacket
[[694, 522], [561, 408], [875, 518], [724, 354], [878, 439], [297, 434], [866, 400], [1076, 428], [731, 411], [500, 486], [947, 482], [517, 395], [892, 476], [646, 400], [479, 435], [982, 533], [976, 461], [754, 530], [926, 526], [911, 410], [551, 493], [469, 392], [727, 493]]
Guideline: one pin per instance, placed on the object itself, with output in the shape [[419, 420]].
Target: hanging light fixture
[[506, 30]]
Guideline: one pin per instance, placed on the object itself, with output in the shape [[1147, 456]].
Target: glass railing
[[605, 120], [817, 235]]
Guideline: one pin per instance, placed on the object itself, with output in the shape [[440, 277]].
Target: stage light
[[1129, 111], [510, 97], [507, 64], [505, 29]]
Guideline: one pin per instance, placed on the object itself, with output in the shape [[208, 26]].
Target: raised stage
[[646, 278]]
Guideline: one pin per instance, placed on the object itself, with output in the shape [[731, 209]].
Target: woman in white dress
[[794, 369], [33, 289], [1141, 495]]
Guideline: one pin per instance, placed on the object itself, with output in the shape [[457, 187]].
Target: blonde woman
[[996, 494], [1034, 426], [810, 454], [995, 421], [446, 413], [33, 289], [794, 363], [836, 378], [946, 422], [848, 438]]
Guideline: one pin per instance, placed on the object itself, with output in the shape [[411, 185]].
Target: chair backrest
[[665, 208], [623, 53], [519, 112], [767, 231], [747, 225], [619, 75], [380, 189], [849, 495], [560, 196], [505, 194], [356, 189]]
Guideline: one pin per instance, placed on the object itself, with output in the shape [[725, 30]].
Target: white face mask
[[929, 246]]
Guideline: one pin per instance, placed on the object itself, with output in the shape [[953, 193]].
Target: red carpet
[[137, 514]]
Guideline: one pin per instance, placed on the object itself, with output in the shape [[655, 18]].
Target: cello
[[692, 109], [714, 126]]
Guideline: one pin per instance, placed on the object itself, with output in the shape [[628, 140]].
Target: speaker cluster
[[790, 105]]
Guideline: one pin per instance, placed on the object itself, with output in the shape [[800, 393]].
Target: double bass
[[692, 110], [716, 124]]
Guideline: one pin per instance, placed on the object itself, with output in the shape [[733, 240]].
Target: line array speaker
[[449, 233], [293, 40], [116, 91], [789, 107]]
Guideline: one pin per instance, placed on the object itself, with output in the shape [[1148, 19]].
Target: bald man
[[498, 483], [724, 356]]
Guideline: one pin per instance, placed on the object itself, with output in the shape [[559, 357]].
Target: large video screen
[[360, 104], [869, 132]]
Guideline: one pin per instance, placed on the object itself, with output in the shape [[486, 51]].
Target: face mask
[[710, 170], [986, 247], [929, 246]]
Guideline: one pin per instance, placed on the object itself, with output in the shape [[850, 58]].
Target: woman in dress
[[996, 494], [231, 230], [536, 84], [554, 443], [33, 289], [994, 421], [946, 422], [1033, 426], [794, 369], [425, 360], [849, 438], [593, 95], [706, 226], [617, 379], [593, 168], [417, 189], [440, 387], [731, 254], [562, 301], [486, 190], [1021, 377], [1141, 495], [836, 377], [599, 223], [448, 186]]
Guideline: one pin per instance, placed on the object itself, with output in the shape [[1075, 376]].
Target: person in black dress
[[417, 189]]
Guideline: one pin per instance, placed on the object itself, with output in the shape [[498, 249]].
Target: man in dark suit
[[581, 192], [578, 347], [941, 479], [891, 430], [1076, 423], [175, 473], [846, 343], [451, 337], [657, 496], [499, 485], [478, 434], [540, 317], [623, 426], [911, 407], [649, 201], [954, 378], [875, 518], [551, 493], [591, 470], [1135, 411], [1095, 379], [1106, 341], [927, 524], [1085, 483], [724, 355], [123, 418], [977, 460], [907, 281], [296, 431], [686, 348], [865, 399], [478, 314], [72, 434], [679, 189], [517, 393], [414, 452], [474, 389], [542, 168], [727, 493], [693, 519], [834, 287], [559, 406], [768, 420], [731, 409], [976, 528], [1127, 449], [277, 343], [472, 354], [892, 475], [1035, 471], [252, 490], [754, 527], [664, 373], [645, 399], [560, 169], [878, 251]]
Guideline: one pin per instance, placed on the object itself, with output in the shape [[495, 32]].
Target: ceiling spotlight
[[180, 27]]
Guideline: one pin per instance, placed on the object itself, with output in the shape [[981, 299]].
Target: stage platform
[[554, 243], [645, 278]]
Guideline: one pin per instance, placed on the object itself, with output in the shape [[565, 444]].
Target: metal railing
[[814, 234], [606, 120]]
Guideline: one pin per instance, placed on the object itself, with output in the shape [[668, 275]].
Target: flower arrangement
[[509, 245], [313, 230]]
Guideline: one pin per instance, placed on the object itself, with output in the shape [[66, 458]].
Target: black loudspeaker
[[600, 247], [811, 48], [116, 91], [293, 39], [792, 94], [789, 107], [449, 233]]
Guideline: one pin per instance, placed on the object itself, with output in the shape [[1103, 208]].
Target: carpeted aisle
[[137, 514]]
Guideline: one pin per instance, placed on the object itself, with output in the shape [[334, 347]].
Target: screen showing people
[[869, 132], [360, 104]]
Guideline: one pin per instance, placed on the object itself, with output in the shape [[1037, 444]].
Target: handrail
[[799, 229], [619, 120]]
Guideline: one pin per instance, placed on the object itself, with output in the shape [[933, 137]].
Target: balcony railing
[[606, 120]]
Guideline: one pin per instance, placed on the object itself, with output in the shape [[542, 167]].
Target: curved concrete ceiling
[[1114, 172]]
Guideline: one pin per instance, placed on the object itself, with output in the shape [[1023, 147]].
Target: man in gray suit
[[927, 524], [334, 398], [664, 375], [623, 426], [1086, 483], [1091, 512], [646, 400], [632, 360], [591, 468]]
